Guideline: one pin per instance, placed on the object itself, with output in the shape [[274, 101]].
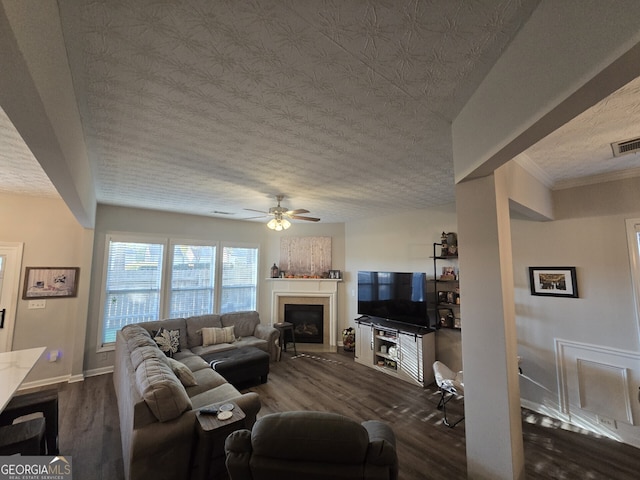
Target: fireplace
[[307, 320], [317, 292]]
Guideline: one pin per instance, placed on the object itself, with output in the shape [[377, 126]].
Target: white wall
[[400, 243], [604, 314], [52, 238]]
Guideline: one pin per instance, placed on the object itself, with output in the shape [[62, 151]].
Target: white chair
[[451, 384]]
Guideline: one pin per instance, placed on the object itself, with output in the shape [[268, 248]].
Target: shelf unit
[[404, 352], [386, 347], [446, 290]]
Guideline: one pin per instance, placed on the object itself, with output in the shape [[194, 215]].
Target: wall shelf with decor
[[446, 286]]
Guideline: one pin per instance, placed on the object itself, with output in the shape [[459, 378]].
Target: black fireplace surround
[[307, 320]]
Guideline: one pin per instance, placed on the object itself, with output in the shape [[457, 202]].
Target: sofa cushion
[[245, 322], [194, 362], [161, 390], [220, 347], [136, 336], [215, 336], [146, 352], [207, 379], [195, 326], [252, 342], [183, 373], [222, 393]]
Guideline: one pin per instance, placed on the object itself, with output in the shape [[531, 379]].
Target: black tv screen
[[395, 296]]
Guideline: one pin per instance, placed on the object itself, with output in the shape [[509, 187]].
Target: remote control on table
[[209, 410]]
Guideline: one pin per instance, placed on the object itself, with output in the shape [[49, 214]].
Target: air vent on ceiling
[[626, 146]]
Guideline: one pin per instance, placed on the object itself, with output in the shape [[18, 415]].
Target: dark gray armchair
[[312, 446]]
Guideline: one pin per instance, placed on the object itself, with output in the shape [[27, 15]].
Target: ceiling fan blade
[[297, 211], [259, 211], [310, 219], [259, 216]]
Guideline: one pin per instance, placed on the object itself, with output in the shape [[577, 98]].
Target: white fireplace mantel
[[308, 287]]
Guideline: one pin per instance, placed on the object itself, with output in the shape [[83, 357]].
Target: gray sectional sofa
[[158, 396]]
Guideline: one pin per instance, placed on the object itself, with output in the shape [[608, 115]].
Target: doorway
[[10, 267]]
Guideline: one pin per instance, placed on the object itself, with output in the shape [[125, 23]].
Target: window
[[192, 280], [139, 287], [239, 279], [133, 280]]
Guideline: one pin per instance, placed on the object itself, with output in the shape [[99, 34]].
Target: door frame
[[11, 284]]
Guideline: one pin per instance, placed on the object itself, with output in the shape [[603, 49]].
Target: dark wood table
[[211, 432], [283, 327]]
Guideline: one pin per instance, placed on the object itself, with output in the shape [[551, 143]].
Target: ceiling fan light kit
[[278, 224], [281, 215]]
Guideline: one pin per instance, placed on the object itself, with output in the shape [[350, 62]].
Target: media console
[[404, 351]]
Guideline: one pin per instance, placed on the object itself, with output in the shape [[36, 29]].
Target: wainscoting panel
[[596, 383], [604, 390]]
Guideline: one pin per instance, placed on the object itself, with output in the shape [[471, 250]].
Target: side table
[[211, 433], [283, 327]]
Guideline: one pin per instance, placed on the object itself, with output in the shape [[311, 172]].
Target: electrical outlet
[[607, 422], [37, 304]]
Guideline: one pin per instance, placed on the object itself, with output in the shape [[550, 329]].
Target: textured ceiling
[[21, 172], [580, 151], [345, 107]]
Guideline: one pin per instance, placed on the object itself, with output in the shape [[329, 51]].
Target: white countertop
[[14, 367]]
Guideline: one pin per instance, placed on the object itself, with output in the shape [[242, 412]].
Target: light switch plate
[[37, 304]]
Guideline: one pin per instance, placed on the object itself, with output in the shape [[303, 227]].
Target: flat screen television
[[396, 296]]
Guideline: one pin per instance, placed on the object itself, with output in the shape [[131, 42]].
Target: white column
[[489, 344]]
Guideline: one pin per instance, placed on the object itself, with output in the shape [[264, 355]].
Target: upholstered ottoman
[[240, 365]]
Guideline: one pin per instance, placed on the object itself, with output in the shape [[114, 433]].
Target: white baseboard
[[44, 382], [65, 378], [544, 410], [77, 378]]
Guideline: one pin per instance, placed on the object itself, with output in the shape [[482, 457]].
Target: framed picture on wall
[[335, 274], [50, 282], [553, 281]]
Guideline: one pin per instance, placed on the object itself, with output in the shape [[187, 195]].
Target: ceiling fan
[[281, 215]]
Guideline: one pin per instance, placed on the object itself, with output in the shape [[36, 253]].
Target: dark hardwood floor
[[334, 382]]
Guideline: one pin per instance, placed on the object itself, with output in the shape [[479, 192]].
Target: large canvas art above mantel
[[302, 256]]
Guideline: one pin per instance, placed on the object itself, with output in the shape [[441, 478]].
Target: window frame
[[633, 242], [168, 243]]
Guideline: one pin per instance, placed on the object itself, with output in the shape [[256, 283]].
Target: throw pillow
[[214, 336], [184, 374], [168, 341]]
